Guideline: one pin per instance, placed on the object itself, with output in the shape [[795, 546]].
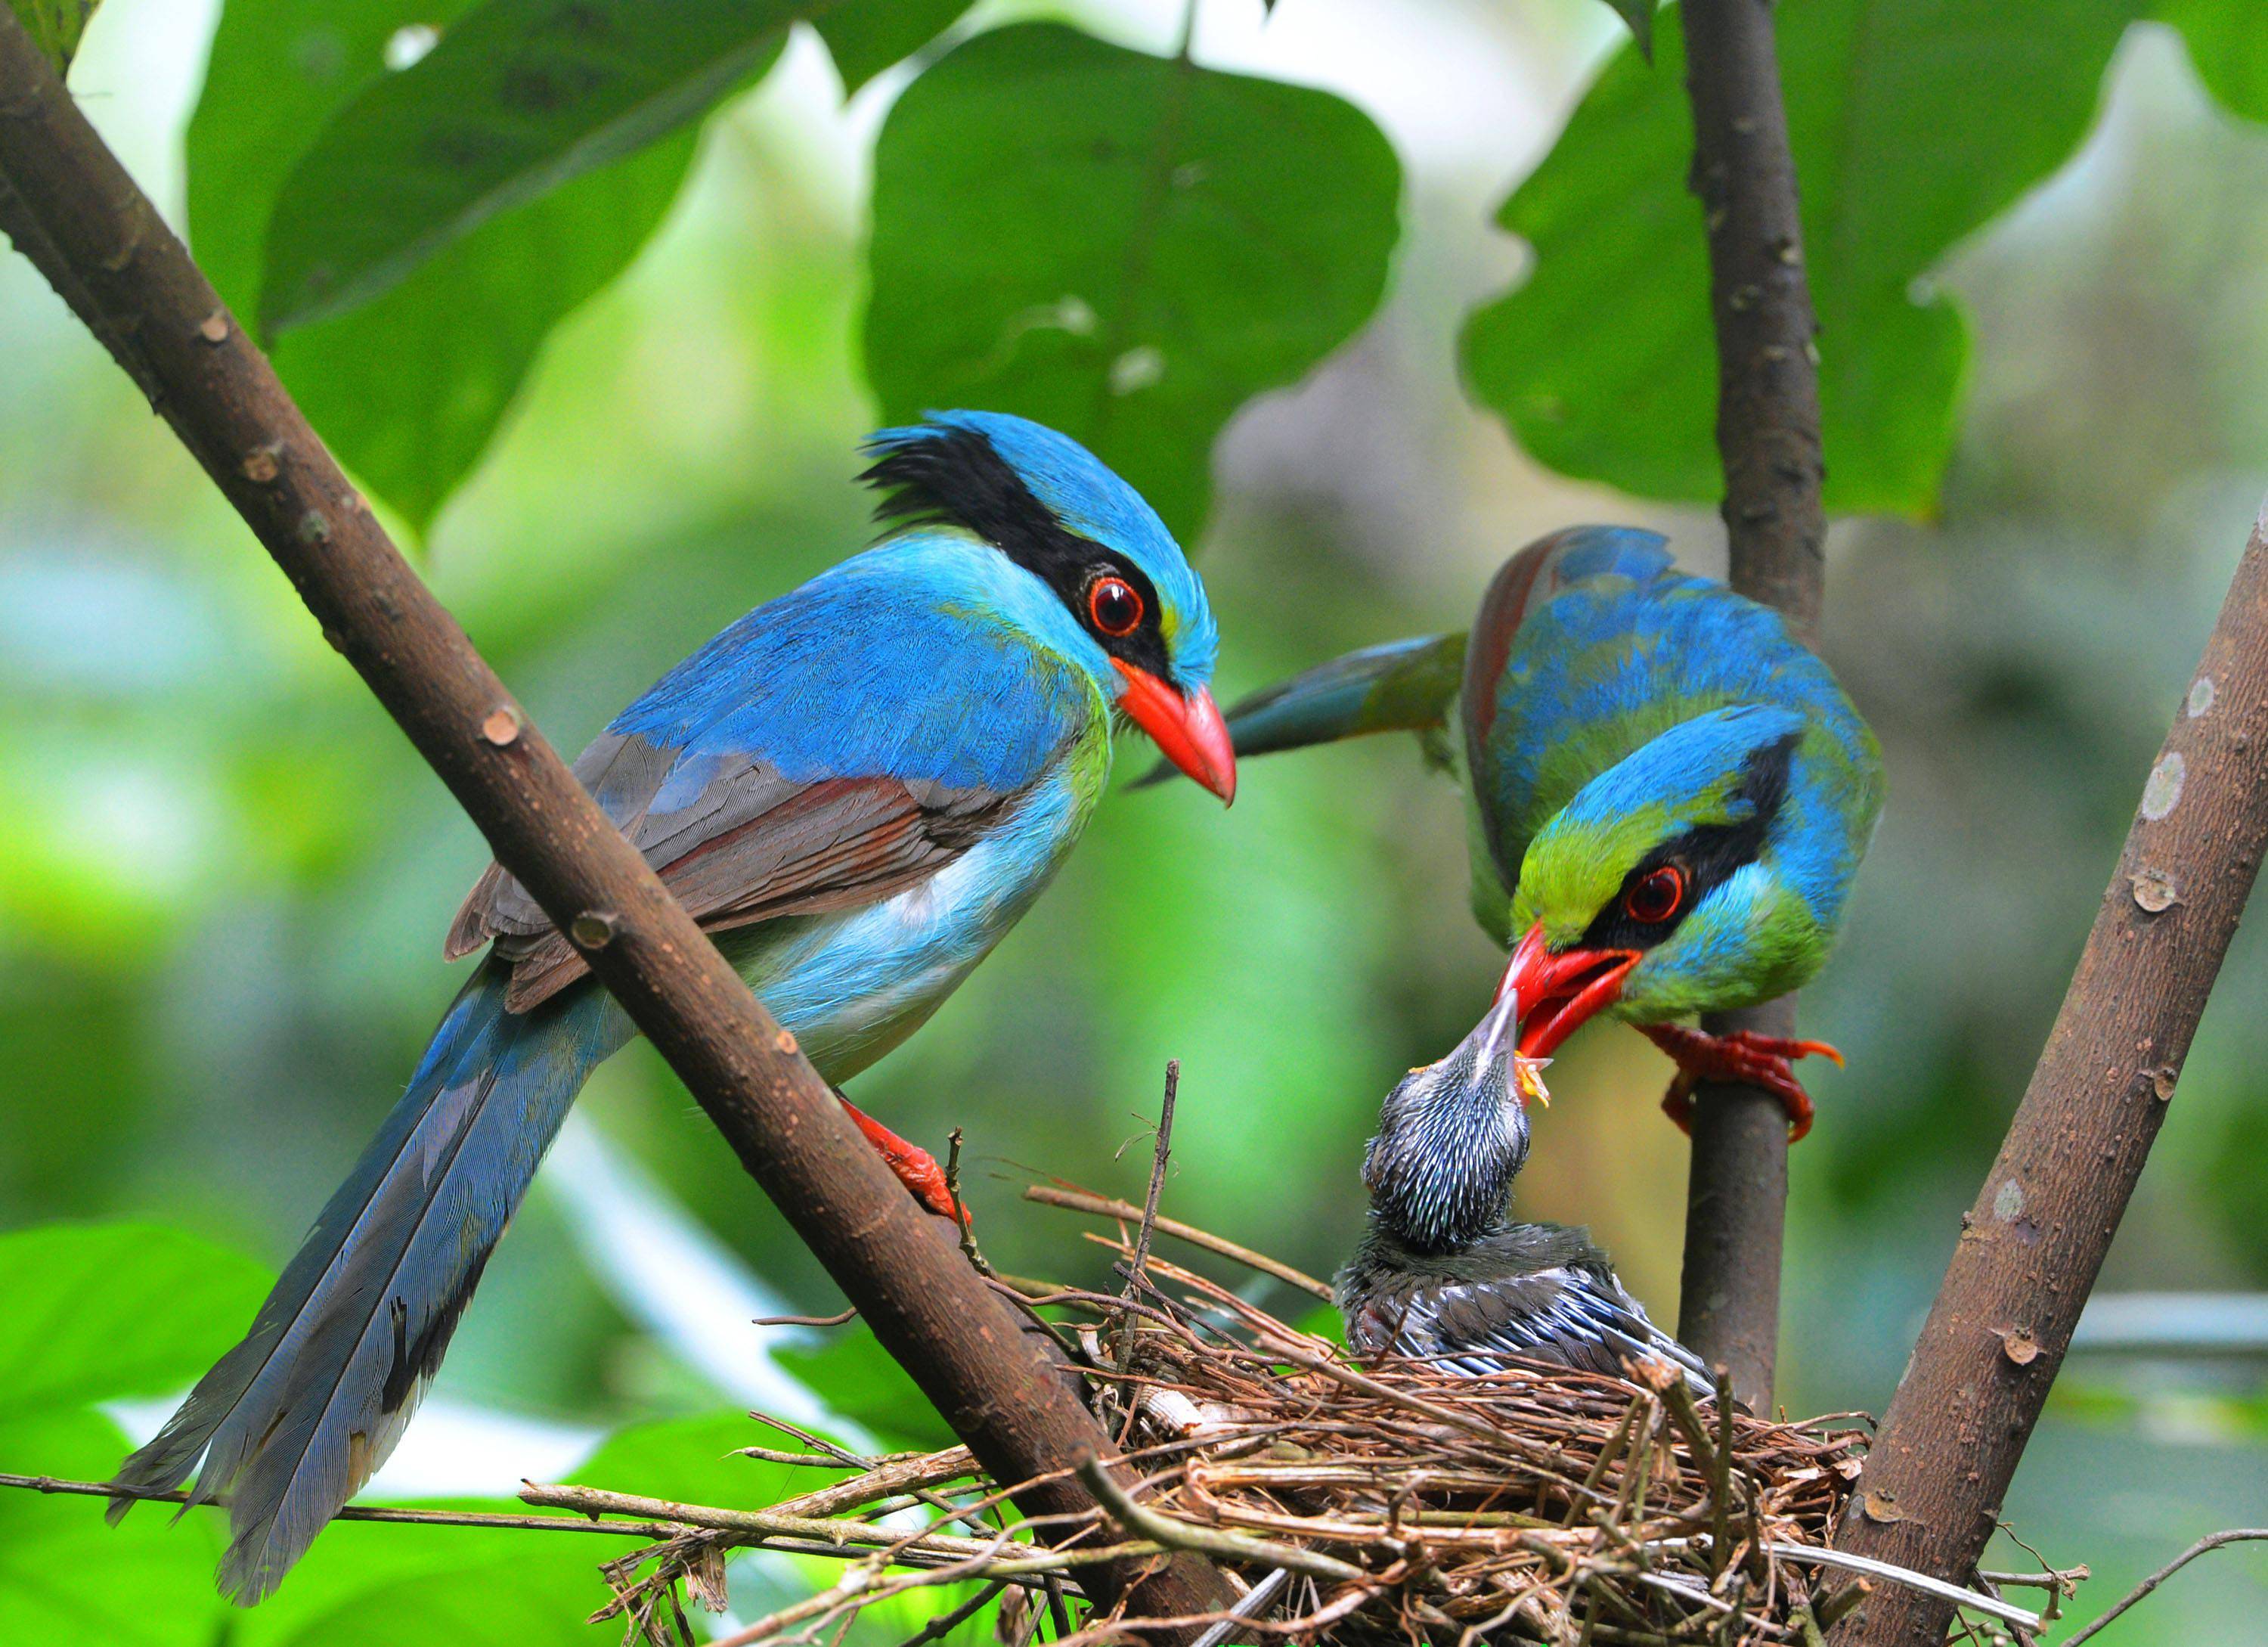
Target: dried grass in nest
[[1349, 1502]]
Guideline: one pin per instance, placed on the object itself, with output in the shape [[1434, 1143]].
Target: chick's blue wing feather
[[754, 802]]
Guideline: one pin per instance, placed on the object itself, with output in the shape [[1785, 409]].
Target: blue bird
[[1669, 794], [858, 789]]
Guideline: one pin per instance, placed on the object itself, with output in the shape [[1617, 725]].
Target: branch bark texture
[[2030, 1247], [72, 209], [1768, 440]]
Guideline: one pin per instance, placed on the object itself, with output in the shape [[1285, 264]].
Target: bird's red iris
[[1115, 606], [1657, 895]]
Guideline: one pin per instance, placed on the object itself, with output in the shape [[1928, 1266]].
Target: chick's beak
[[1497, 1034], [1556, 994], [1187, 730]]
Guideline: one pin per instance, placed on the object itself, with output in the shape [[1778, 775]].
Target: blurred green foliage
[[223, 876], [1123, 247]]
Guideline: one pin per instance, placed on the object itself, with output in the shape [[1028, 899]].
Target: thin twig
[[1174, 1533], [2210, 1541], [1108, 1206], [637, 1529], [1158, 1159], [837, 1319], [938, 1629]]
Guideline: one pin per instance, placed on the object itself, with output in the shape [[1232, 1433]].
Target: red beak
[[1188, 731], [1558, 993]]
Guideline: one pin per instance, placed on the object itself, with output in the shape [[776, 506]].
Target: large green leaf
[[1125, 247], [697, 1461], [1914, 122], [517, 97], [865, 37], [64, 1576], [2228, 43], [856, 1377], [55, 26], [408, 388], [95, 1313]]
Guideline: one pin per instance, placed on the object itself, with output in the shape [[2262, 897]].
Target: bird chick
[[1443, 1272]]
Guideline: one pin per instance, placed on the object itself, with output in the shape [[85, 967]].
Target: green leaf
[[96, 1312], [2229, 48], [519, 96], [856, 1377], [55, 26], [865, 37], [65, 1576], [536, 1598], [697, 1461], [1914, 122], [1639, 14], [1124, 246], [408, 389]]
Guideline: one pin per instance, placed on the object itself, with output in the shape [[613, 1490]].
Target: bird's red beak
[[1188, 731], [1558, 993]]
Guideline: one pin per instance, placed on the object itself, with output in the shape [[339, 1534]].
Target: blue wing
[[832, 747]]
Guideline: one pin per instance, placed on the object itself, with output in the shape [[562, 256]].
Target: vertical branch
[[73, 210], [1768, 440], [2030, 1247]]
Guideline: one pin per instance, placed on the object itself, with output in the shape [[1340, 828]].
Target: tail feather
[[1402, 686], [293, 1421]]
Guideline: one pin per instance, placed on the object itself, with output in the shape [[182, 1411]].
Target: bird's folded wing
[[737, 842], [1570, 1315]]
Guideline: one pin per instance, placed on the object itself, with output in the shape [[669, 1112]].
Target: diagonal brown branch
[[75, 212], [2030, 1249]]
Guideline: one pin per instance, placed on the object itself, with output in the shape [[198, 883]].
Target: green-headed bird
[[1669, 793]]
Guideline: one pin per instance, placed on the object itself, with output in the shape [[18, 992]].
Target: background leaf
[[865, 37], [65, 1576], [857, 1378], [2229, 44], [1638, 15], [519, 96], [1914, 122], [55, 26], [97, 1312], [1123, 247], [408, 389]]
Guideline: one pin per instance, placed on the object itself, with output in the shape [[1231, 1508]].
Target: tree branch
[[73, 210], [2032, 1246], [1768, 440]]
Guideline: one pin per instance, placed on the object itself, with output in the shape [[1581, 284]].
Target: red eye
[[1656, 898], [1114, 606]]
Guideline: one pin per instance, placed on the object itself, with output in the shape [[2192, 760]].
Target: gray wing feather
[[751, 844]]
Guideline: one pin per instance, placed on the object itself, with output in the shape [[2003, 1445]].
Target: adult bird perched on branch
[[1443, 1272], [858, 788], [1669, 793]]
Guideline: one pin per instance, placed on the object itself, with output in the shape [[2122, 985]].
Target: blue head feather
[[945, 468]]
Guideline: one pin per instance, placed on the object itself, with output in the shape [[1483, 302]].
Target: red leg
[[916, 1168], [1744, 1057]]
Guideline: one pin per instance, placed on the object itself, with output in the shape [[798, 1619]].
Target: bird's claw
[[1742, 1057], [915, 1168]]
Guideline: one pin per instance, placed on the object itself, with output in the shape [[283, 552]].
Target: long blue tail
[[292, 1421], [1401, 686]]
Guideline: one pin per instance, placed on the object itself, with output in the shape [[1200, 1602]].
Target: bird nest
[[1347, 1501]]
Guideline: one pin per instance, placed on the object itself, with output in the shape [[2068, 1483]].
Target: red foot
[[916, 1168], [1744, 1057]]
